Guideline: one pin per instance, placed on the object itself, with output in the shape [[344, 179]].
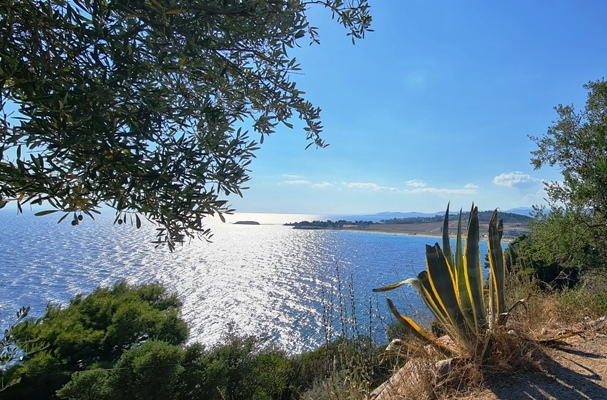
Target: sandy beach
[[434, 229]]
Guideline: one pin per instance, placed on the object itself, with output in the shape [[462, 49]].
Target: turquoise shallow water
[[267, 279]]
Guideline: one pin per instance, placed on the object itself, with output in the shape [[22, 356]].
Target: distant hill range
[[483, 216], [512, 215]]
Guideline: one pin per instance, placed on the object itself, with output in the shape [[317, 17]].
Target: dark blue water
[[268, 279]]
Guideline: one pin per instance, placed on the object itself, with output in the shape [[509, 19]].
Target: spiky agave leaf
[[497, 267], [456, 331], [452, 286], [447, 241], [390, 287], [442, 285], [465, 300], [473, 273], [412, 328]]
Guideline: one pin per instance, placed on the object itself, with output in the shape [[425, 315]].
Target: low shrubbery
[[128, 342]]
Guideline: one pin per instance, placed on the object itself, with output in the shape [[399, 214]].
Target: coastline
[[430, 229]]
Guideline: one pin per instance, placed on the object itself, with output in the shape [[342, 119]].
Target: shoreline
[[430, 230]]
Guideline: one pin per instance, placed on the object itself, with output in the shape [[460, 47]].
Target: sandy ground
[[435, 229], [576, 371]]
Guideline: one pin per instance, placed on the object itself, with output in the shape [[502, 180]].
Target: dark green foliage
[[241, 368], [87, 385], [16, 341], [556, 250], [127, 342], [238, 368], [137, 104], [154, 370], [587, 299], [574, 234], [95, 331], [327, 224]]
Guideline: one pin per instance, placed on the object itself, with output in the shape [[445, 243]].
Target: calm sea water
[[266, 279]]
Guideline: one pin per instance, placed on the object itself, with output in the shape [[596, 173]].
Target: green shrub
[[127, 342], [94, 331], [587, 299]]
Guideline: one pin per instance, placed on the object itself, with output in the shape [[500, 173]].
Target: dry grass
[[519, 347]]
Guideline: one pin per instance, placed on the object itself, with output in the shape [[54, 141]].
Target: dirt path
[[576, 371]]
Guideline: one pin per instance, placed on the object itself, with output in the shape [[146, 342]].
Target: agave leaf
[[447, 242], [502, 318], [557, 340], [412, 328], [457, 332], [497, 266], [422, 284], [473, 274], [487, 346], [442, 284], [459, 255], [452, 287], [390, 287], [462, 289]]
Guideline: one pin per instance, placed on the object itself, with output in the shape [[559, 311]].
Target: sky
[[435, 106]]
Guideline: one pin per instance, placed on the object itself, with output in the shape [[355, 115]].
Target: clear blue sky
[[436, 105]]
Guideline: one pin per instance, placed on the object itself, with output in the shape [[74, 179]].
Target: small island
[[246, 223]]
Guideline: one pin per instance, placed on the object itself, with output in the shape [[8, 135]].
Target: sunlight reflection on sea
[[267, 279]]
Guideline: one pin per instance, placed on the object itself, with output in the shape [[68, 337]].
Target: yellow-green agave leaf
[[497, 265], [473, 274], [412, 328], [390, 287], [453, 289]]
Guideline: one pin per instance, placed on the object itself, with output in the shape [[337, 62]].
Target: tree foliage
[[140, 104], [574, 232], [15, 342], [577, 145], [94, 331], [552, 252]]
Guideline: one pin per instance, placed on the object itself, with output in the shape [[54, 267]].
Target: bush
[[127, 342], [94, 331], [587, 299]]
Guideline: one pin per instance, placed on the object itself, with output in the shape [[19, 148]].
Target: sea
[[296, 288]]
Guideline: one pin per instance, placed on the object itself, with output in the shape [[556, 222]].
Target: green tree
[[136, 375], [93, 332], [140, 104], [15, 342], [574, 233]]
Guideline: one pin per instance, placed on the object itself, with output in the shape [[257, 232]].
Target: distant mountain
[[384, 216], [483, 216], [393, 215], [521, 211]]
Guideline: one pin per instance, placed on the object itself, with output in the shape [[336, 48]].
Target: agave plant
[[452, 286]]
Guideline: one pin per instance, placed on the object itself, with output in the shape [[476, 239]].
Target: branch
[[245, 11]]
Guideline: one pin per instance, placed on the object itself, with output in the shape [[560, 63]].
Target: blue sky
[[435, 105]]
